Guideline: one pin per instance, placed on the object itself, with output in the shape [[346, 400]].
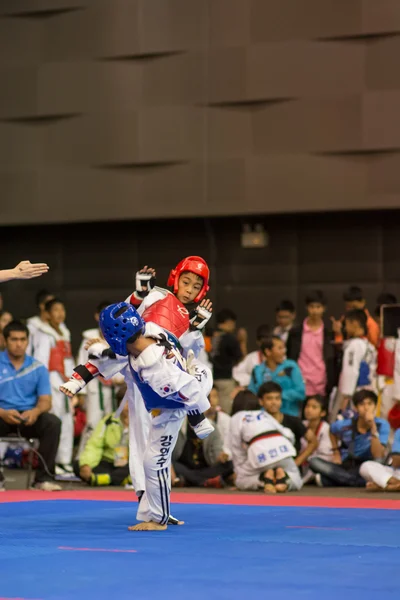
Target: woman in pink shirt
[[311, 345]]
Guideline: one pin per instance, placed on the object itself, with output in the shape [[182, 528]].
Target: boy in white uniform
[[100, 394], [384, 477], [359, 360], [156, 368], [52, 347], [260, 445], [167, 310]]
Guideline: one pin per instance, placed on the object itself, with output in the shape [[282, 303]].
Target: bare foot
[[393, 487], [269, 488], [147, 526], [280, 477], [373, 487]]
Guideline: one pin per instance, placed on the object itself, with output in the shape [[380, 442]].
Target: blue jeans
[[333, 475]]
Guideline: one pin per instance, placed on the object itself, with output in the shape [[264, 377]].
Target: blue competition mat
[[73, 549]]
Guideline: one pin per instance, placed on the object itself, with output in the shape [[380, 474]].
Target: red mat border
[[193, 498]]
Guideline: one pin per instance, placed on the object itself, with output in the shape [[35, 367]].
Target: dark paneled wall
[[93, 262], [114, 109]]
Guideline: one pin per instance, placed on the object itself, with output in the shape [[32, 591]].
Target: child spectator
[[270, 399], [285, 315], [5, 319], [52, 347], [225, 354], [354, 441], [311, 346], [354, 300], [200, 463], [242, 372], [384, 477], [100, 395], [359, 359], [220, 419], [315, 415], [283, 371], [263, 452], [104, 460], [34, 323]]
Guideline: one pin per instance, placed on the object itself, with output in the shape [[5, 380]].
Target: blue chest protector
[[151, 399]]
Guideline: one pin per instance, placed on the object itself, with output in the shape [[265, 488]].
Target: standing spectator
[[359, 359], [285, 315], [270, 399], [384, 477], [52, 346], [354, 300], [225, 355], [242, 372], [34, 323], [5, 319], [25, 402], [100, 394], [311, 346], [362, 438], [282, 371]]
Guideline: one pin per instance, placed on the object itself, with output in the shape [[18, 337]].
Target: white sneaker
[[47, 486], [64, 469], [318, 480], [203, 429]]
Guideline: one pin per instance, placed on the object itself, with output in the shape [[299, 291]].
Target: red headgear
[[192, 264]]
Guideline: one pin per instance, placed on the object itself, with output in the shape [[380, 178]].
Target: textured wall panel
[[309, 125], [197, 107], [229, 22], [21, 42], [308, 19]]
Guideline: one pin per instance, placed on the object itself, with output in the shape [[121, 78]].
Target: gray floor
[[16, 480]]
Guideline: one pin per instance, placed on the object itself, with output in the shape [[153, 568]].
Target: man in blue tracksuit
[[282, 371]]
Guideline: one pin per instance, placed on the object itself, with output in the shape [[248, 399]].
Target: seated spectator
[[270, 399], [5, 319], [283, 371], [311, 346], [200, 463], [354, 300], [242, 372], [263, 451], [384, 477], [225, 354], [25, 401], [315, 414], [359, 360], [105, 458], [354, 441], [244, 400], [285, 315], [219, 419]]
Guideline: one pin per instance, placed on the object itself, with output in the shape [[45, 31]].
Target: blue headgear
[[118, 323]]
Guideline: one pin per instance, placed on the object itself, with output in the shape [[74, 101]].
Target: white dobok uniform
[[54, 351], [259, 443]]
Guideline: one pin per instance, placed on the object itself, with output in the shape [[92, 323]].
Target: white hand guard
[[144, 280], [199, 317], [96, 350], [74, 386], [190, 366]]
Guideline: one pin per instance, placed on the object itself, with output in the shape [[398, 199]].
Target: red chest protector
[[170, 314], [58, 354], [385, 362]]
